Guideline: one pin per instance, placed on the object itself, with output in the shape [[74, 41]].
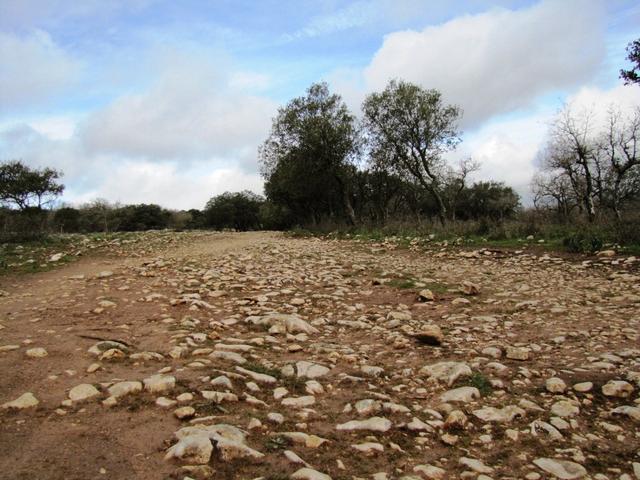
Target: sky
[[158, 101]]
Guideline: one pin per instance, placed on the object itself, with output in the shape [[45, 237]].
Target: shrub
[[583, 242]]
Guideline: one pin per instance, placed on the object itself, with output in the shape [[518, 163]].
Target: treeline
[[321, 164]]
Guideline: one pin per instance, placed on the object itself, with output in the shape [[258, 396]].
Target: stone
[[193, 449], [164, 402], [374, 424], [309, 474], [82, 392], [26, 400], [299, 402], [518, 353], [456, 420], [258, 377], [159, 383], [562, 469], [475, 465], [564, 408], [555, 385], [310, 370], [430, 472], [368, 448], [460, 395], [121, 389], [231, 449], [629, 411], [36, 353], [184, 413], [617, 388], [426, 295], [430, 335], [499, 415], [470, 288], [367, 406], [447, 372], [583, 387]]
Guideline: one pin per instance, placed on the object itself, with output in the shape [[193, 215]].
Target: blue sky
[[167, 102]]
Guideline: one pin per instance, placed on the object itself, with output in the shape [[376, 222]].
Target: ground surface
[[300, 337]]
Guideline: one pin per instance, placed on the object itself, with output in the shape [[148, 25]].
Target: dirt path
[[341, 349]]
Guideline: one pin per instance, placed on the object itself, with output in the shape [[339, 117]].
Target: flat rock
[[460, 395], [159, 383], [374, 424], [309, 474], [26, 400], [83, 392], [563, 469], [447, 372]]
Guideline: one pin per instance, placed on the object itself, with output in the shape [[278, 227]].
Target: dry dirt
[[344, 306]]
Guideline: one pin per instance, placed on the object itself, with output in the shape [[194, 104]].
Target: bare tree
[[572, 151], [456, 182]]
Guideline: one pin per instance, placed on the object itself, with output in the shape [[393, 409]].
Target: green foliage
[[583, 242], [24, 187], [633, 55], [143, 217], [307, 159], [409, 129], [240, 211], [482, 383]]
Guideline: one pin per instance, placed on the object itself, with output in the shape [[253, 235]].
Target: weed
[[481, 382], [276, 443]]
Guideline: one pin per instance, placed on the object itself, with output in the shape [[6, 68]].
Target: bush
[[583, 242]]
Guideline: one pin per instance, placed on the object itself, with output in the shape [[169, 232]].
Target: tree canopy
[[307, 159], [409, 128], [23, 187]]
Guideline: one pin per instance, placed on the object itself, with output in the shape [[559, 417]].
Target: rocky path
[[244, 356]]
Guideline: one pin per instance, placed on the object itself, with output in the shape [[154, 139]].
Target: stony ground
[[243, 356]]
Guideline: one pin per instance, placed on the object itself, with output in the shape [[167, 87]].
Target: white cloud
[[32, 69], [497, 61], [193, 112], [168, 185]]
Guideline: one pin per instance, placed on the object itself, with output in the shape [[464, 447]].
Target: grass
[[481, 382], [402, 283], [277, 443]]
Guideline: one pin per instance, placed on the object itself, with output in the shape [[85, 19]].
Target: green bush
[[583, 242]]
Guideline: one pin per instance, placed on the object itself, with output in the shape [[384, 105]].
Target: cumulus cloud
[[33, 68], [508, 148], [169, 185], [496, 61], [193, 112]]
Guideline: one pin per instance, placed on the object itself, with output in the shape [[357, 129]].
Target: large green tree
[[409, 129], [24, 187], [307, 160], [240, 210]]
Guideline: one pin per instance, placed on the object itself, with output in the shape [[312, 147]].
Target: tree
[[67, 219], [24, 187], [619, 147], [571, 151], [633, 55], [142, 217], [240, 211], [307, 159], [409, 128]]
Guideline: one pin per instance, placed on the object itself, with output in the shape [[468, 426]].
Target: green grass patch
[[402, 283], [481, 382]]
